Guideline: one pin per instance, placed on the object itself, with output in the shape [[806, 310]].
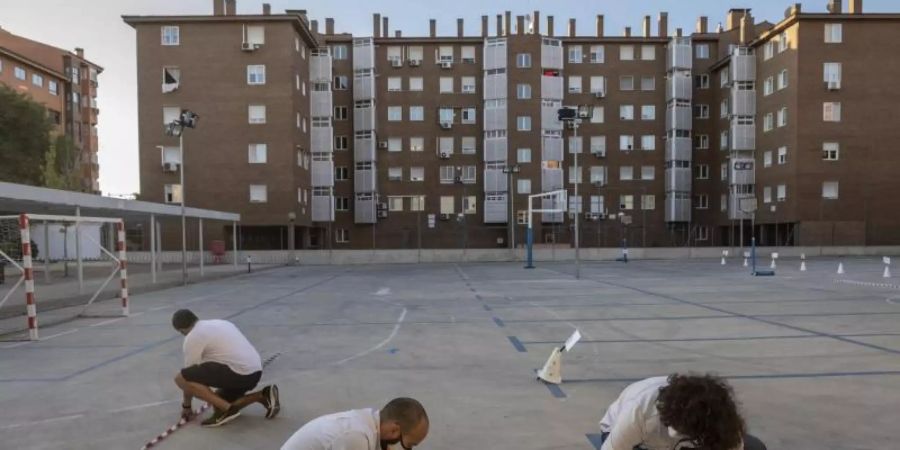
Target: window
[[833, 33], [648, 202], [258, 193], [395, 113], [701, 141], [523, 186], [447, 202], [37, 80], [445, 54], [702, 233], [598, 54], [782, 192], [171, 114], [170, 35], [574, 84], [470, 204], [395, 174], [768, 122], [626, 83], [340, 142], [723, 140], [171, 79], [598, 145], [446, 85], [598, 175], [468, 54], [468, 145], [171, 155], [468, 85], [598, 85], [831, 111], [701, 81], [723, 172], [575, 204], [172, 193], [416, 84], [341, 173], [701, 111], [414, 53], [626, 53], [597, 114], [626, 173], [257, 153], [20, 73], [648, 142], [468, 116], [394, 84], [523, 91], [701, 51], [523, 123], [523, 60], [416, 144], [626, 142], [576, 54], [782, 42], [53, 87], [341, 235], [723, 78], [648, 112], [417, 174], [767, 159], [256, 34], [782, 79], [340, 83], [832, 73], [417, 203], [648, 83], [445, 144], [342, 204], [395, 55], [782, 117], [339, 51], [701, 201], [575, 175], [767, 194], [626, 112], [831, 151], [769, 50], [626, 202], [782, 155], [576, 144], [469, 174], [702, 171], [769, 86], [648, 52], [648, 172], [416, 113], [256, 114], [523, 155], [340, 112], [830, 190], [395, 144]]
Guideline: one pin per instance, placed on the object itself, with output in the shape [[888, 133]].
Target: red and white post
[[123, 265], [31, 309]]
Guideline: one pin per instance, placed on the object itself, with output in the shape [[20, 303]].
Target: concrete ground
[[814, 357]]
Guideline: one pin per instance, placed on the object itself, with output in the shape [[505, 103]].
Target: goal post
[[558, 204], [17, 248]]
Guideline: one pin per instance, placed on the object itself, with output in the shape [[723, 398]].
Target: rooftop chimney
[[536, 22], [550, 26], [746, 28], [460, 30], [719, 28], [484, 26], [384, 27], [314, 26], [376, 25], [834, 6], [507, 23], [679, 32], [646, 26], [218, 7], [663, 24], [432, 27], [854, 7], [795, 9], [329, 26], [267, 9], [397, 34], [520, 25], [499, 25], [702, 24], [229, 7], [80, 52], [733, 18], [627, 31]]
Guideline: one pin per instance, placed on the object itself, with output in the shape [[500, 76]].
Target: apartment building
[[392, 141], [66, 84]]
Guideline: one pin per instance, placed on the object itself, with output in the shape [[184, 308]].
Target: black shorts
[[231, 385]]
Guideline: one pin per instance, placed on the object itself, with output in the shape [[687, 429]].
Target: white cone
[[723, 260], [887, 272], [803, 266], [840, 269], [745, 262], [552, 372], [772, 266]]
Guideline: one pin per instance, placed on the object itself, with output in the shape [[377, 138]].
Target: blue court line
[[478, 296], [772, 376], [499, 322], [517, 344], [747, 338], [487, 308], [594, 439], [555, 390]]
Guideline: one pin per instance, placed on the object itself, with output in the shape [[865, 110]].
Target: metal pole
[[234, 244], [419, 230], [46, 252], [153, 248], [644, 218], [78, 251], [529, 239], [742, 233], [201, 244], [513, 217], [183, 220], [578, 206]]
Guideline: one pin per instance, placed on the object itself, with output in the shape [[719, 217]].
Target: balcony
[[495, 180], [495, 86], [495, 149], [321, 104], [678, 117], [321, 139], [743, 102], [364, 117], [679, 86], [364, 86], [741, 171], [551, 54], [495, 53], [364, 149], [734, 206], [496, 118], [322, 173], [550, 115], [495, 209], [363, 53], [678, 149], [551, 179], [743, 65], [552, 87], [743, 137], [364, 180], [678, 208], [552, 148], [547, 203], [322, 208], [679, 54], [364, 208], [320, 68], [678, 179]]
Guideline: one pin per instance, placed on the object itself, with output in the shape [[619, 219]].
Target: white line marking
[[380, 344], [891, 300], [18, 344], [106, 322], [41, 422], [141, 406], [47, 338], [157, 308], [383, 291]]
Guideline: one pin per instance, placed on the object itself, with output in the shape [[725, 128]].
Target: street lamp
[[186, 119], [510, 171], [574, 116]]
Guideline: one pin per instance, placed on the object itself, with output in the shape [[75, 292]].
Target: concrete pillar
[[679, 32], [484, 26], [536, 22], [460, 29], [159, 247], [571, 27], [599, 25], [376, 25], [46, 250], [329, 25], [520, 25], [550, 26], [663, 24], [432, 28]]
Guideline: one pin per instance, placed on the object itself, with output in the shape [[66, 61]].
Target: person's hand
[[186, 412]]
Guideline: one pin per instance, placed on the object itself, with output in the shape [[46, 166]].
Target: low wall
[[346, 257]]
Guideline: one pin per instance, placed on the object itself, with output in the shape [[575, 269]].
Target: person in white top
[[217, 355], [678, 411], [401, 424]]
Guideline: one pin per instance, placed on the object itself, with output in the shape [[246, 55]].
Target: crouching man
[[401, 425], [678, 411], [217, 355]]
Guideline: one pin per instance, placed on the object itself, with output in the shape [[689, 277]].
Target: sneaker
[[271, 401], [219, 418]]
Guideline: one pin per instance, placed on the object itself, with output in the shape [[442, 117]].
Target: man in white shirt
[[678, 411], [401, 424], [217, 355]]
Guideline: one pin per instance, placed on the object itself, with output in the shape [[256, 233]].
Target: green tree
[[24, 138], [60, 161]]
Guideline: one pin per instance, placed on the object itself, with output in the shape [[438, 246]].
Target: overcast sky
[[96, 25]]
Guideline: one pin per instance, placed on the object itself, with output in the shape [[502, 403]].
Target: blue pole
[[530, 240]]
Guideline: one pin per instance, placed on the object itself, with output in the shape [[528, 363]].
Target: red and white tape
[[175, 427]]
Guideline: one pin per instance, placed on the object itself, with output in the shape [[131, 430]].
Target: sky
[[96, 25]]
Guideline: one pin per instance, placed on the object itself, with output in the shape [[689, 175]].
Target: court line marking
[[754, 376], [380, 344], [517, 344], [141, 406], [41, 422], [714, 339]]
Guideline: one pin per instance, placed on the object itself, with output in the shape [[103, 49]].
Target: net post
[[123, 265], [27, 266]]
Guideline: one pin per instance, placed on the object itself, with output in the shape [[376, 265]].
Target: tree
[[24, 138], [60, 161]]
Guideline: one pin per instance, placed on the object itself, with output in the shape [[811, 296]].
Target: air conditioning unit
[[396, 62], [382, 214], [570, 125], [415, 62], [445, 155], [469, 60], [382, 206], [445, 216], [598, 183], [446, 64], [599, 94], [599, 154], [630, 147], [383, 144], [170, 167], [446, 125], [589, 216], [248, 47], [833, 85], [457, 179]]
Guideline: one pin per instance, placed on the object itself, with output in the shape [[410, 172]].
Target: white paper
[[775, 255], [886, 259], [573, 339]]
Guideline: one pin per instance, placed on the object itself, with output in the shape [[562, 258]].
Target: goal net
[[553, 206], [33, 244]]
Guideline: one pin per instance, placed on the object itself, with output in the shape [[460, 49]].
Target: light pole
[[574, 116], [510, 171], [186, 119], [292, 255]]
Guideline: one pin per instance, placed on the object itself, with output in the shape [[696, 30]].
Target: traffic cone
[[772, 266], [723, 260], [552, 371], [745, 261], [840, 269], [803, 262], [887, 272]]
